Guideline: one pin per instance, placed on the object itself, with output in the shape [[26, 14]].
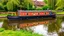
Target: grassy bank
[[17, 33], [4, 15], [59, 13]]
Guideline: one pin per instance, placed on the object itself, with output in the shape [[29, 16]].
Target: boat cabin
[[33, 13]]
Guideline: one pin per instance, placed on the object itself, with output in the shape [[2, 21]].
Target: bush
[[45, 7]]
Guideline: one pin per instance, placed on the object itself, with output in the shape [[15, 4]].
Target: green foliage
[[9, 4], [31, 7], [52, 4], [27, 4], [46, 1], [2, 4], [60, 4], [2, 29], [18, 33], [12, 3], [59, 13], [45, 7], [38, 9]]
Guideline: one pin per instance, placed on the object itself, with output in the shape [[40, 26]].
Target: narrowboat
[[32, 14]]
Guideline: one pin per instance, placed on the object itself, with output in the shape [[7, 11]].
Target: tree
[[46, 1], [51, 4], [60, 4], [9, 4], [26, 4], [2, 4], [12, 3], [45, 7]]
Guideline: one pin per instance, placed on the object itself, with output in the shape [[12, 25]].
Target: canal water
[[46, 27]]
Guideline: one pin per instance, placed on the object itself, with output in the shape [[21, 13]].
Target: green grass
[[17, 33], [59, 12], [56, 12], [3, 15]]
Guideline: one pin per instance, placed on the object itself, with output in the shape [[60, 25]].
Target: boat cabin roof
[[34, 11]]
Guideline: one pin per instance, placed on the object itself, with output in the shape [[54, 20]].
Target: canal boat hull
[[22, 15], [29, 17]]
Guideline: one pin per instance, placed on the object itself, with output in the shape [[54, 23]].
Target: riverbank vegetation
[[60, 13], [4, 15], [14, 5], [17, 33]]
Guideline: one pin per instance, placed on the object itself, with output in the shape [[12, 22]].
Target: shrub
[[45, 7]]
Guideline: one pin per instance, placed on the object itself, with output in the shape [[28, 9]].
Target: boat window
[[27, 13], [47, 13]]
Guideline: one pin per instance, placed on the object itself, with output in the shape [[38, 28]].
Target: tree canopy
[[26, 3], [11, 5], [14, 5]]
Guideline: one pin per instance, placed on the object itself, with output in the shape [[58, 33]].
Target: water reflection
[[55, 26], [61, 32], [47, 27], [22, 25], [1, 23]]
